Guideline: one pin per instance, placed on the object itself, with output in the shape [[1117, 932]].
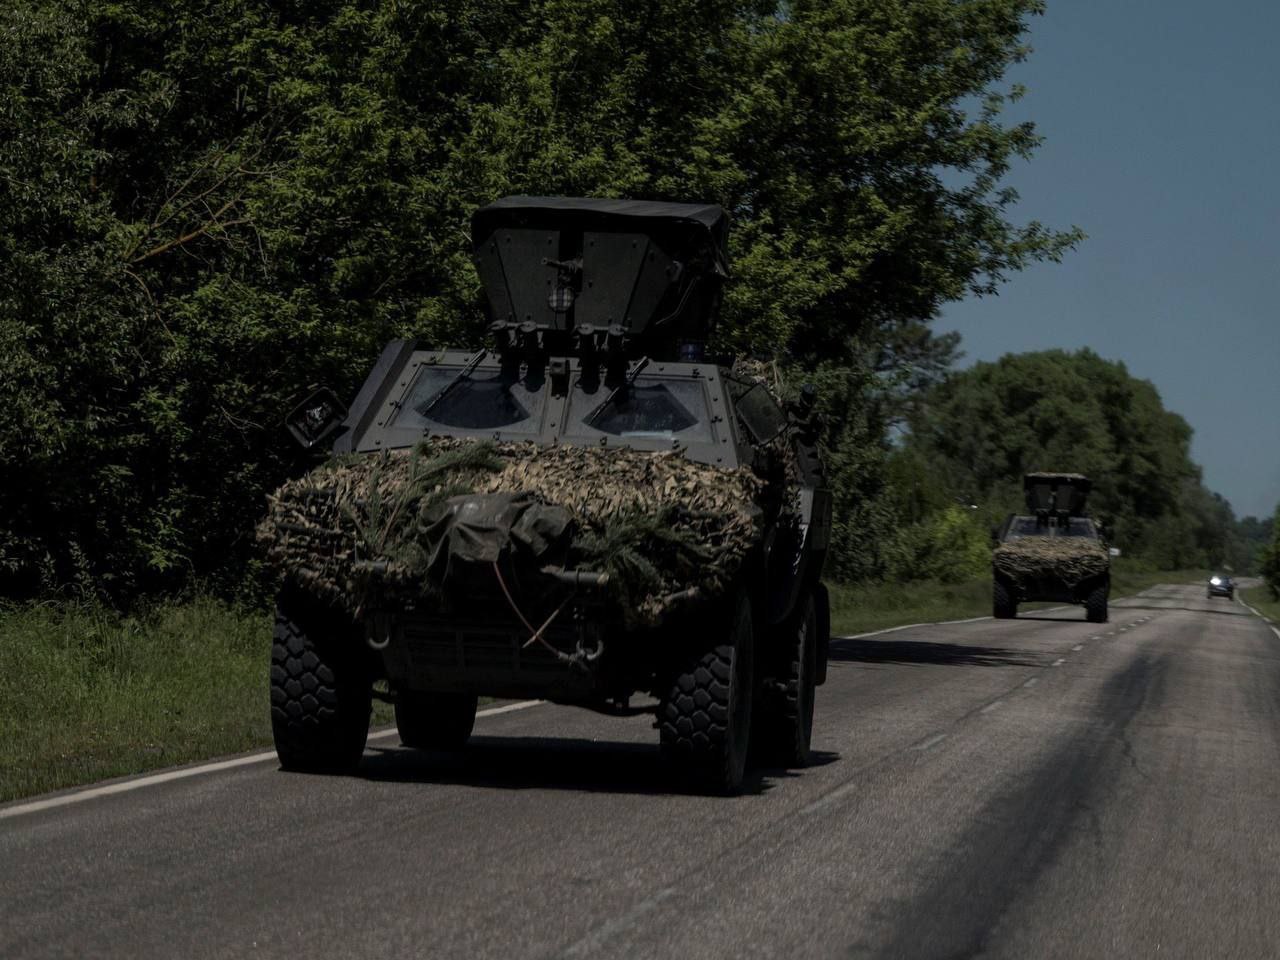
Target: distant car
[[1220, 585]]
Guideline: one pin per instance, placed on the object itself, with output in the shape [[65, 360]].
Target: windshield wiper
[[462, 375], [631, 378]]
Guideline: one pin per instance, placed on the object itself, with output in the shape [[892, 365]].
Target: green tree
[[983, 428], [1269, 560], [204, 207]]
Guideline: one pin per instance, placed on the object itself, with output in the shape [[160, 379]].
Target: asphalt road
[[1042, 787]]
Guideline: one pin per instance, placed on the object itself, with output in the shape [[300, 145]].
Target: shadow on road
[[1219, 612], [916, 651], [549, 763], [1031, 616]]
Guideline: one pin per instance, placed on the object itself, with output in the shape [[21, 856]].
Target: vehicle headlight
[[1215, 581]]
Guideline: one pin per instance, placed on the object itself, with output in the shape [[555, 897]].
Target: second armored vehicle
[[1054, 552], [584, 509]]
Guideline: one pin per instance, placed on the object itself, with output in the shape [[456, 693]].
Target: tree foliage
[[1269, 558], [983, 428], [204, 207]]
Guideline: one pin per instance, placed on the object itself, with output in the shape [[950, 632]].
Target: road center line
[[593, 941], [1031, 682], [155, 779], [832, 797], [1059, 662], [930, 743], [991, 706], [1078, 647]]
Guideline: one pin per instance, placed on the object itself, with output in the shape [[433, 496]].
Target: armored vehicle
[[585, 509], [1054, 552]]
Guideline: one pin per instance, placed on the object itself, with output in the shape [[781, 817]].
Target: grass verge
[[86, 694], [1261, 600], [867, 607]]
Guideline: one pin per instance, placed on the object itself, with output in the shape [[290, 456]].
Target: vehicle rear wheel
[[1003, 605], [435, 721], [704, 720], [784, 715], [321, 690], [1095, 607]]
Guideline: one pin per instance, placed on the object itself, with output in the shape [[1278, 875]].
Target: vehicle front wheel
[[435, 721], [704, 720], [1095, 606], [784, 715], [1003, 605], [321, 691]]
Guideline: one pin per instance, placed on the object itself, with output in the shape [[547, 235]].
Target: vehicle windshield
[[663, 409], [1025, 527], [1029, 527], [1077, 527], [479, 401]]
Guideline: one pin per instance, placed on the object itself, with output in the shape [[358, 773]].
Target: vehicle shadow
[[1218, 612], [918, 651], [552, 763], [1031, 616]]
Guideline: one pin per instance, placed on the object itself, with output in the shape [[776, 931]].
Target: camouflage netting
[[1069, 560], [367, 530]]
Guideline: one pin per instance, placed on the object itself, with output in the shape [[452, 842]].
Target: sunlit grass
[[1260, 599], [85, 694]]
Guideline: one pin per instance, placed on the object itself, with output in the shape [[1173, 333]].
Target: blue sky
[[1162, 141]]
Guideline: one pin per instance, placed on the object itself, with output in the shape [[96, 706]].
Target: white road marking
[[1031, 682], [831, 797], [1275, 631], [593, 941], [909, 626], [1059, 662], [1077, 648], [932, 742], [991, 706], [155, 779]]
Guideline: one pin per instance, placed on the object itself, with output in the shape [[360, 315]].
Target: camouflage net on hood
[[1069, 560], [363, 531]]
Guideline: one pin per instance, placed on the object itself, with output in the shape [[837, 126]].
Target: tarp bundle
[[1068, 560], [363, 531]]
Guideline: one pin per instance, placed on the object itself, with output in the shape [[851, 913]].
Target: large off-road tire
[[784, 712], [704, 720], [1003, 604], [822, 606], [1095, 605], [321, 690], [435, 721]]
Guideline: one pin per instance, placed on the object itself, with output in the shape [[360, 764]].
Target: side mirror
[[315, 418]]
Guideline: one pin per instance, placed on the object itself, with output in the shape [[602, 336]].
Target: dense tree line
[[977, 432], [205, 207], [1269, 558]]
